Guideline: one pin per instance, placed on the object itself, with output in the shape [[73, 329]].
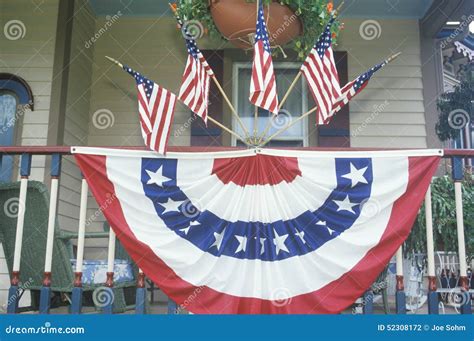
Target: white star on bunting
[[171, 206], [345, 205], [185, 230], [242, 243], [356, 175], [262, 242], [192, 223], [219, 237], [279, 242], [157, 177], [301, 235], [331, 231]]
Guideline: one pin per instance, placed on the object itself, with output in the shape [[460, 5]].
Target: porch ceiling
[[352, 8]]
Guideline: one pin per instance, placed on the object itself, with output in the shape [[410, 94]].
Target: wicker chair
[[34, 248]]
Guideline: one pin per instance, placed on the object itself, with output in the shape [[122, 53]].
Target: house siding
[[390, 111], [31, 58], [153, 47]]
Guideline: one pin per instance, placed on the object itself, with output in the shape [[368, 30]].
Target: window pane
[[8, 104], [292, 108]]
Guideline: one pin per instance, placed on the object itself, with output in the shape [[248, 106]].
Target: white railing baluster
[[20, 224], [13, 294], [460, 229], [108, 308], [77, 290], [53, 200], [432, 294], [51, 223]]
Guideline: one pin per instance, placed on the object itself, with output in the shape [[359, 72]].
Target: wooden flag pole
[[269, 123], [221, 90], [116, 62], [289, 125], [217, 123], [229, 103], [290, 89]]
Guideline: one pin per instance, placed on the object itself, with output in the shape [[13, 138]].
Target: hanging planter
[[292, 24], [236, 21]]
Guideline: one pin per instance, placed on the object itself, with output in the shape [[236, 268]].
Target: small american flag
[[351, 89], [156, 107], [320, 72], [194, 90], [263, 92]]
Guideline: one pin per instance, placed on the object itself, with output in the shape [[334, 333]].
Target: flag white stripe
[[151, 103], [143, 111], [167, 126], [156, 125], [327, 101]]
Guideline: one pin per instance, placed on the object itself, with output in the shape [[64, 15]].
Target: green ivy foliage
[[444, 218], [312, 13]]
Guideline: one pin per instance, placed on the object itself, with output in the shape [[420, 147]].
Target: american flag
[[320, 72], [156, 107], [351, 89], [194, 90], [263, 92]]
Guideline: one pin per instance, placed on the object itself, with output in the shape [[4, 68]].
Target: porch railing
[[26, 154]]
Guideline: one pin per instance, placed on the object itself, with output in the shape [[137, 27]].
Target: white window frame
[[277, 65]]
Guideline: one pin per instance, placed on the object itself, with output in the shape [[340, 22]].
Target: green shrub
[[444, 219]]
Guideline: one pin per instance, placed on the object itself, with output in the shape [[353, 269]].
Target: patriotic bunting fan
[[268, 231]]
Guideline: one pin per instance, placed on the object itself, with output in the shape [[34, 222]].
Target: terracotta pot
[[236, 20]]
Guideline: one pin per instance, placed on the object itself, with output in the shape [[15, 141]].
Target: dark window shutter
[[212, 134], [337, 133]]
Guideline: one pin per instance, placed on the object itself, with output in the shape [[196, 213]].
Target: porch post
[[458, 175], [13, 294], [45, 296], [400, 298], [76, 306], [140, 300], [109, 303], [432, 293]]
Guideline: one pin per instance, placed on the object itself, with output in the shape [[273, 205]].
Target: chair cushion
[[95, 271]]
